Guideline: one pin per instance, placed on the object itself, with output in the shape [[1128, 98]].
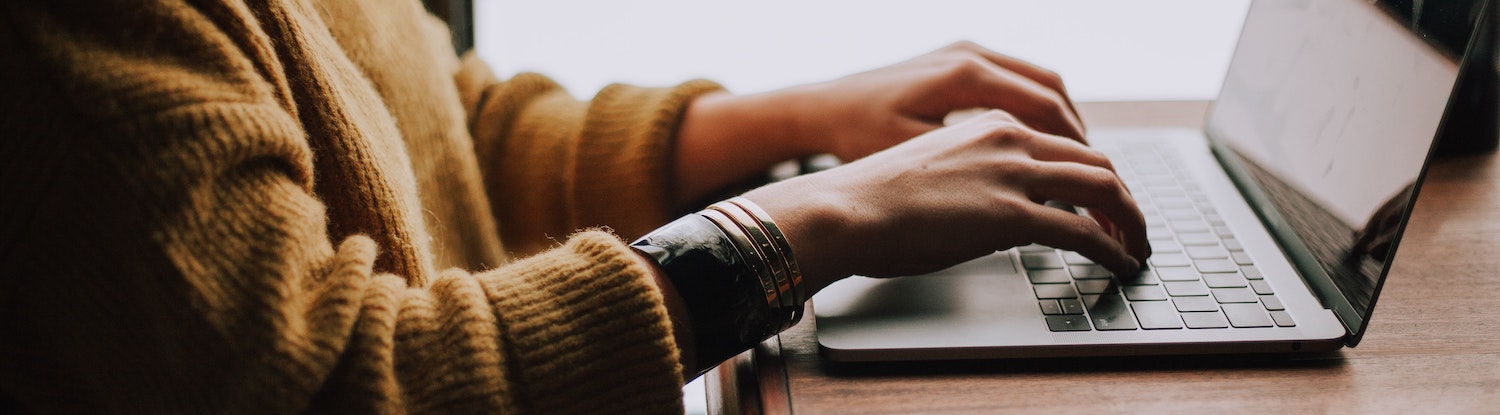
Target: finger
[[1044, 147], [1038, 74], [981, 83], [1054, 148], [1101, 192], [959, 116], [1059, 229]]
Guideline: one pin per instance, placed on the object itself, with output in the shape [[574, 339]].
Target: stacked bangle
[[736, 273]]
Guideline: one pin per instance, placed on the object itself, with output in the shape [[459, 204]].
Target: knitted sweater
[[308, 205]]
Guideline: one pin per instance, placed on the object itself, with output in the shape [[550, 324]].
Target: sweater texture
[[280, 206]]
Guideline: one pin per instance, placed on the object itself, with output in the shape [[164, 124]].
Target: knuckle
[[1005, 202], [1050, 78], [1006, 131], [997, 116], [1058, 106], [1100, 159], [962, 45], [1079, 229], [968, 68], [1100, 179], [1014, 173]]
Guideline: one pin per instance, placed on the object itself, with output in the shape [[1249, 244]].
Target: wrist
[[806, 135], [738, 279], [817, 226]]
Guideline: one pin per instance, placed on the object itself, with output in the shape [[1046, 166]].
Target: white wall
[[1105, 49]]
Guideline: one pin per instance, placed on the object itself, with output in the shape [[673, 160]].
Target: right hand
[[955, 194]]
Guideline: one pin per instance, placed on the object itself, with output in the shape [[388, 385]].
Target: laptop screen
[[1325, 120]]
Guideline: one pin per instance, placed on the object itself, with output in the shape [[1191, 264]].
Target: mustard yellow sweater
[[224, 206]]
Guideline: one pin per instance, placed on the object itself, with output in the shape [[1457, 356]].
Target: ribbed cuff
[[588, 329], [625, 155]]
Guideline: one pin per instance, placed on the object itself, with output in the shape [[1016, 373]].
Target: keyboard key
[[1068, 323], [1243, 258], [1089, 272], [1247, 315], [1207, 252], [1235, 295], [1271, 302], [1074, 258], [1190, 304], [1145, 277], [1152, 220], [1261, 287], [1158, 177], [1189, 226], [1170, 260], [1198, 239], [1224, 280], [1166, 191], [1035, 248], [1054, 291], [1214, 219], [1097, 287], [1041, 260], [1177, 274], [1089, 300], [1110, 312], [1283, 318], [1215, 265], [1181, 214], [1050, 307], [1185, 288], [1158, 233], [1049, 276], [1210, 320], [1071, 306], [1251, 273], [1174, 202], [1156, 315], [1144, 293], [1223, 231], [1162, 247], [1233, 244]]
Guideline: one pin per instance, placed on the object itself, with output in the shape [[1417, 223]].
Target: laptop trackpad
[[984, 302]]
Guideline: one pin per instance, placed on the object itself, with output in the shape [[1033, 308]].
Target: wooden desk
[[1433, 345]]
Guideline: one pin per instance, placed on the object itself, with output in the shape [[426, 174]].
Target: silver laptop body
[[1317, 141]]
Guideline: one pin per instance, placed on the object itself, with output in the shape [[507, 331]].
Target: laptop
[[1272, 229]]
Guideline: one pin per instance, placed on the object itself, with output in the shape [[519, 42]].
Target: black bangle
[[725, 297]]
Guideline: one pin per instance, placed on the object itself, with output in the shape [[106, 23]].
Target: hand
[[868, 112], [952, 195], [726, 138]]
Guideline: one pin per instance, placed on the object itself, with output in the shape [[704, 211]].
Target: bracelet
[[735, 271], [784, 248]]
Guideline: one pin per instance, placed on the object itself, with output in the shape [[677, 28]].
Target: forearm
[[725, 139]]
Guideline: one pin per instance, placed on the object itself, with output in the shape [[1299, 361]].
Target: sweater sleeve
[[166, 251], [553, 164]]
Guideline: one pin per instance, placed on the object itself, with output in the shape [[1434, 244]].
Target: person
[[316, 206]]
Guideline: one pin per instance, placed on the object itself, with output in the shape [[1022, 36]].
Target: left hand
[[726, 138], [860, 114]]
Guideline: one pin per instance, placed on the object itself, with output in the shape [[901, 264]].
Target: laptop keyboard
[[1199, 276]]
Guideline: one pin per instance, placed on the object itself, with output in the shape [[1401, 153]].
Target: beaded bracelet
[[735, 271]]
